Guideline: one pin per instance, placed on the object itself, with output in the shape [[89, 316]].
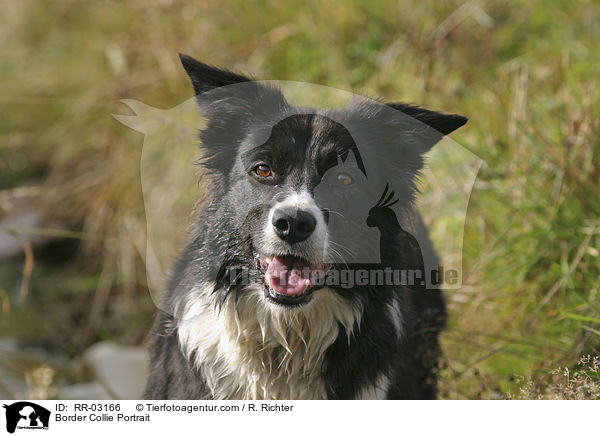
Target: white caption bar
[[297, 417]]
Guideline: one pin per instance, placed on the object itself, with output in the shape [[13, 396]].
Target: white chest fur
[[253, 349]]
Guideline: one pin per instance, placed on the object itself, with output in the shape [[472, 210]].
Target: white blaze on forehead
[[299, 200]]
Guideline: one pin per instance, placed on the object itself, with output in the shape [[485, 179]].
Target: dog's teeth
[[306, 285], [268, 277], [269, 259]]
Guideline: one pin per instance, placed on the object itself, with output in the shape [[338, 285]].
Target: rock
[[24, 217], [84, 391], [12, 382], [122, 371], [11, 387]]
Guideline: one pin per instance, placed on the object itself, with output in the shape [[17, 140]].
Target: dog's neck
[[253, 349]]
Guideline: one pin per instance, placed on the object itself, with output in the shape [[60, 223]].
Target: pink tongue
[[289, 276]]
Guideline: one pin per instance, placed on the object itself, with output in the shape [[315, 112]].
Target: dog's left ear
[[443, 123], [205, 78], [224, 95]]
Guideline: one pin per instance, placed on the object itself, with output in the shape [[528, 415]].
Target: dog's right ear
[[205, 78], [443, 123]]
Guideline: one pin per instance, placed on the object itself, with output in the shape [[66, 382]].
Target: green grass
[[525, 72]]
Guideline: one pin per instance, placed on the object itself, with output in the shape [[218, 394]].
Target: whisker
[[336, 212]]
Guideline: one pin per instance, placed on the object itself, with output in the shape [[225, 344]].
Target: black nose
[[293, 225]]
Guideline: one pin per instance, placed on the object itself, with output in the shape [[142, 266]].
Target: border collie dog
[[293, 284]]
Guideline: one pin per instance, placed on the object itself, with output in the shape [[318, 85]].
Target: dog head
[[300, 192]]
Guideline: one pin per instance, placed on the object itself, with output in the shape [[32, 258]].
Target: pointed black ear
[[443, 123], [204, 77]]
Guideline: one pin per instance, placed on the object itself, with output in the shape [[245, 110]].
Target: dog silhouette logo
[[26, 415]]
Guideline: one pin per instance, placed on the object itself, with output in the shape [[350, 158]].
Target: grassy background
[[525, 72]]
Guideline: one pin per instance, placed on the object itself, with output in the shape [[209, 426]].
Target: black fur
[[250, 123]]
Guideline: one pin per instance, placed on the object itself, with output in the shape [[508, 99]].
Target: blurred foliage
[[525, 72]]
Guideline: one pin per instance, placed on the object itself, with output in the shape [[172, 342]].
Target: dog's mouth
[[291, 280]]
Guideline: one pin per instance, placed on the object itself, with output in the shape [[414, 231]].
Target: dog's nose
[[293, 225]]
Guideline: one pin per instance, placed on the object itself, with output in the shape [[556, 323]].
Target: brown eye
[[263, 170], [344, 179]]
